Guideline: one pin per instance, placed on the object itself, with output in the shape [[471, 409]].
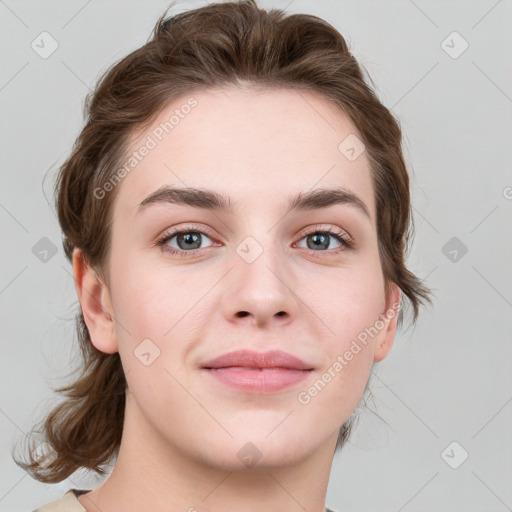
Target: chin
[[257, 451]]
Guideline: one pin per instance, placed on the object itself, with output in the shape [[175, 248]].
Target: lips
[[257, 360], [257, 372]]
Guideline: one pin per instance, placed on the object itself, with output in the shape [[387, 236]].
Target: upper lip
[[251, 359]]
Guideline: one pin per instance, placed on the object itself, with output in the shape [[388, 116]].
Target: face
[[294, 288]]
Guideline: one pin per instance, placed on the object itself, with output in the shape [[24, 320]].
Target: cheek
[[348, 358], [151, 312], [151, 301], [158, 313], [348, 302], [349, 309]]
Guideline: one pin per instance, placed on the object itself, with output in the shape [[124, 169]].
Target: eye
[[183, 241], [186, 241], [321, 240]]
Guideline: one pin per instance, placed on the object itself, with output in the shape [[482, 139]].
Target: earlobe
[[389, 318], [96, 305]]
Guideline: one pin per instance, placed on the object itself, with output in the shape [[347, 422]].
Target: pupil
[[323, 242], [190, 238]]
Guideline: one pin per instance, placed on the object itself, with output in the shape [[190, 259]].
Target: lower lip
[[258, 380]]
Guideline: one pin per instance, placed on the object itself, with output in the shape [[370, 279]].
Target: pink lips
[[257, 372]]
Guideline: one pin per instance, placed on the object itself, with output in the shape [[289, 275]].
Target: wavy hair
[[221, 44]]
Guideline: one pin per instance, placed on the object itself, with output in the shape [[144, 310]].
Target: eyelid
[[326, 228], [172, 232], [345, 239]]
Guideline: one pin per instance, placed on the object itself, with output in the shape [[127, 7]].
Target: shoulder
[[66, 503], [69, 503]]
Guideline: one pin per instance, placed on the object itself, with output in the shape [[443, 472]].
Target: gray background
[[447, 380]]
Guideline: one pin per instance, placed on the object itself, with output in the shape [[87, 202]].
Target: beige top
[[69, 503], [66, 503]]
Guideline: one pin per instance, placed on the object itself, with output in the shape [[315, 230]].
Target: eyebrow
[[211, 200]]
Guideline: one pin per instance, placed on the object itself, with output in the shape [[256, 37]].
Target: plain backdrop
[[439, 437]]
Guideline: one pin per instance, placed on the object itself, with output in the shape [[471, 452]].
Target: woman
[[237, 212]]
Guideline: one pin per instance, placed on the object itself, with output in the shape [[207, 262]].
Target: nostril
[[242, 313]]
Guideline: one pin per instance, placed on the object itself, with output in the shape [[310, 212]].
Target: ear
[[96, 304], [389, 318]]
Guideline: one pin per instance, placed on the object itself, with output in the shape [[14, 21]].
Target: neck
[[152, 474]]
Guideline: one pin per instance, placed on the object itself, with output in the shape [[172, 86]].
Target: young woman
[[237, 212]]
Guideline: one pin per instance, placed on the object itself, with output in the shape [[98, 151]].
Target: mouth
[[257, 372]]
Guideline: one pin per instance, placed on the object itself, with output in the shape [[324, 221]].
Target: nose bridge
[[261, 242], [261, 258], [259, 285]]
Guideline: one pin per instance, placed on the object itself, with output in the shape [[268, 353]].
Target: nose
[[260, 292]]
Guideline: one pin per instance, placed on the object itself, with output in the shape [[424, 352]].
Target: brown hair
[[223, 44]]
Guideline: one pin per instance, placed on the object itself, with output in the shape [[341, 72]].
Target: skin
[[183, 430]]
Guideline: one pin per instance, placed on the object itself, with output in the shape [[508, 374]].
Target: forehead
[[252, 144]]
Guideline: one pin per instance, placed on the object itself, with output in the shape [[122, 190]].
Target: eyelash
[[340, 236]]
